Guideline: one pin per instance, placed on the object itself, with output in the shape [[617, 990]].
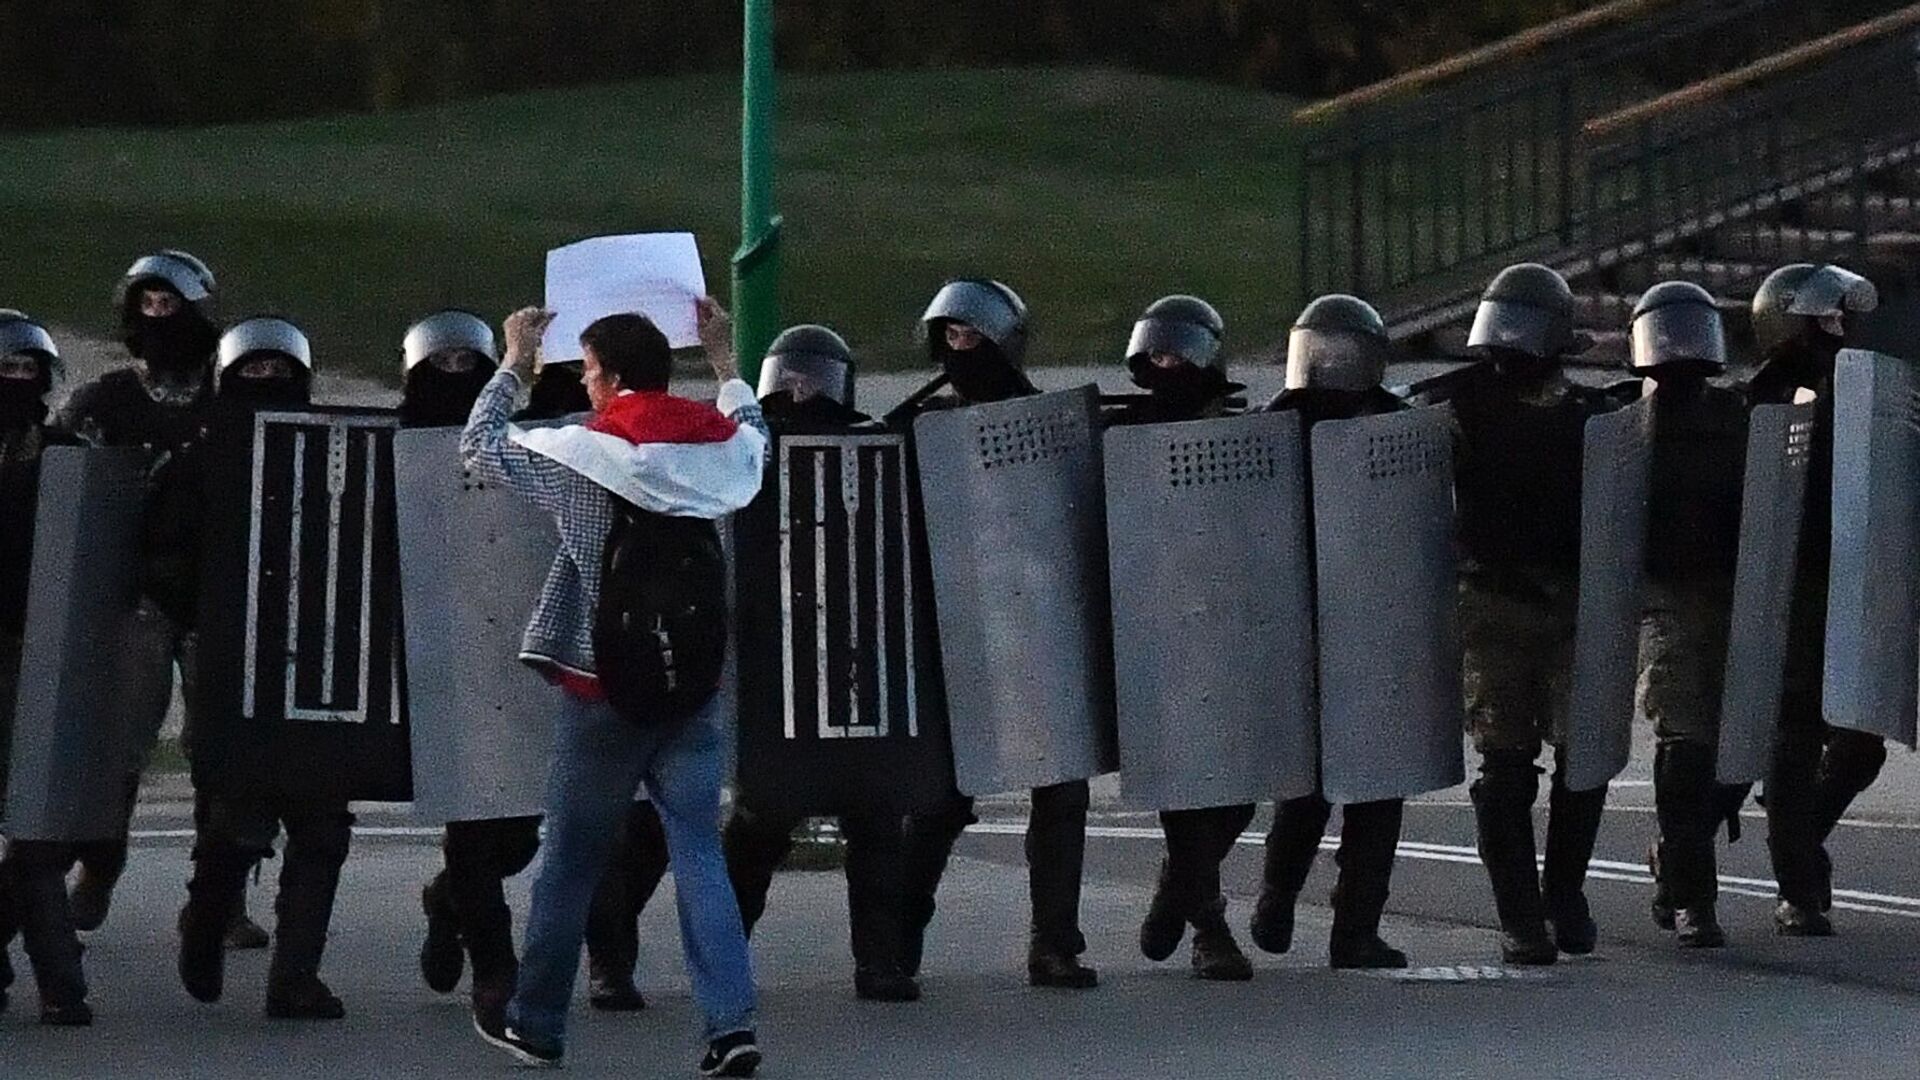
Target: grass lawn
[[1091, 191]]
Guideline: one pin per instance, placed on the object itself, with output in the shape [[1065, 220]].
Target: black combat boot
[[1573, 826], [1503, 816], [1369, 834], [1216, 956], [1686, 801], [317, 844], [1056, 847], [928, 845], [1052, 965], [1791, 920], [442, 957], [214, 894], [875, 845], [1166, 920], [39, 898], [1298, 825]]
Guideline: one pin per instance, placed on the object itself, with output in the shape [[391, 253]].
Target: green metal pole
[[756, 265]]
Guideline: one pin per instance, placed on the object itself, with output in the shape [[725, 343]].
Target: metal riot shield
[[838, 710], [472, 561], [1873, 598], [1772, 501], [1212, 587], [72, 735], [1389, 648], [1614, 490], [1017, 538], [299, 637]]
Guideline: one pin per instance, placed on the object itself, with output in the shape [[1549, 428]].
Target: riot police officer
[[557, 391], [1337, 355], [33, 892], [264, 363], [1800, 314], [807, 388], [976, 331], [164, 305], [446, 358], [1699, 455], [1518, 484], [1175, 354]]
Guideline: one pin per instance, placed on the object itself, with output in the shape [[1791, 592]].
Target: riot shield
[[1389, 649], [72, 735], [1873, 599], [472, 561], [1614, 490], [300, 665], [839, 694], [1779, 449], [1017, 540], [1212, 591]]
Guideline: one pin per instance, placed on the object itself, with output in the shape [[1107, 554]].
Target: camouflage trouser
[[1683, 658], [1518, 641]]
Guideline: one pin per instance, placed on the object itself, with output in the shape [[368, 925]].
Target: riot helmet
[[1802, 300], [447, 359], [987, 306], [1526, 309], [176, 337], [808, 360], [1339, 342], [976, 330], [1186, 327], [19, 334], [29, 364], [264, 361], [1676, 326]]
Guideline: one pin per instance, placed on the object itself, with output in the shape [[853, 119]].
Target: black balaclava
[[436, 398], [779, 407], [176, 348], [982, 373], [1184, 388], [557, 391], [23, 402], [279, 393]]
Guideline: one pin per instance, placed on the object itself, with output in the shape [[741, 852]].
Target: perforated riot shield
[[1017, 538], [840, 706], [1389, 649], [72, 734], [472, 561], [299, 637], [1873, 598], [1212, 593], [1779, 449], [1614, 490]]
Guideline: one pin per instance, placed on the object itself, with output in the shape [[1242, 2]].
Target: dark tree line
[[192, 61]]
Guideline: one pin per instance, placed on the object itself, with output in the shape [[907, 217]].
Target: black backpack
[[660, 632]]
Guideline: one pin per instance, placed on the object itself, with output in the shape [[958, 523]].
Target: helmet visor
[[1679, 332], [1191, 342], [1334, 360], [824, 375], [1502, 324]]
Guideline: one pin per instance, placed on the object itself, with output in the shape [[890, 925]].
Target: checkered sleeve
[[486, 449]]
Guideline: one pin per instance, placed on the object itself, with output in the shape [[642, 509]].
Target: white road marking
[[1599, 870]]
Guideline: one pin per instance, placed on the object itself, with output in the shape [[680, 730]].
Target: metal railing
[[1820, 117], [1414, 203]]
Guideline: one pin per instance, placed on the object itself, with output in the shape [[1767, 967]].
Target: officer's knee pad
[[1854, 759], [518, 847], [1072, 797], [1509, 769]]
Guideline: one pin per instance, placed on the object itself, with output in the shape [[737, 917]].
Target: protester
[[665, 456]]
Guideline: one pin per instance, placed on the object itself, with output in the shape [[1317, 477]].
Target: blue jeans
[[599, 758]]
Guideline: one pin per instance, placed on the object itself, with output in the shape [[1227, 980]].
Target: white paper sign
[[655, 274]]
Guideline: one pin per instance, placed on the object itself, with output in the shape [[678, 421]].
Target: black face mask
[[264, 393], [779, 406], [557, 392], [436, 398], [1185, 387], [173, 347], [22, 403], [981, 374]]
